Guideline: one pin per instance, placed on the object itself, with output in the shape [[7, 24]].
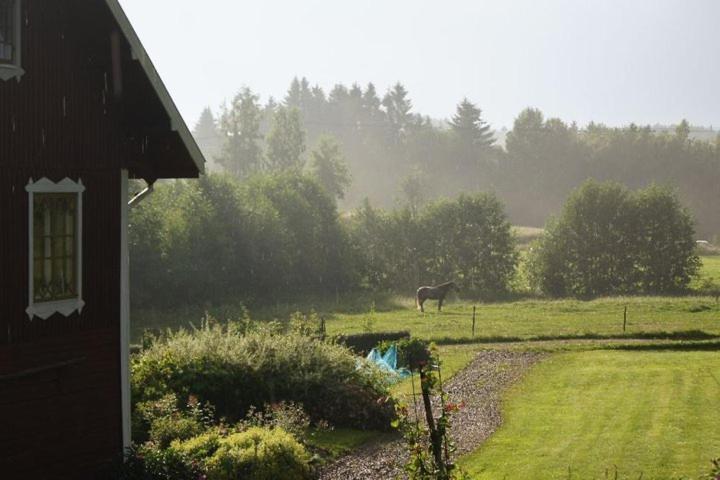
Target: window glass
[[55, 246], [7, 31]]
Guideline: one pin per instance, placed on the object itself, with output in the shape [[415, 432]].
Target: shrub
[[149, 462], [288, 416], [235, 371], [413, 353], [259, 454], [161, 421], [362, 343], [254, 454], [609, 240]]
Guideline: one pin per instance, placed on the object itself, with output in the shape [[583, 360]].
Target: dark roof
[[187, 144]]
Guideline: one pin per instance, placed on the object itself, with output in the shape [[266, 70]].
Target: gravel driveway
[[480, 385]]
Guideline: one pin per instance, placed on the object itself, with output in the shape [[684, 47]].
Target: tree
[[666, 241], [609, 240], [682, 131], [286, 140], [240, 125], [328, 166], [397, 108], [414, 190], [208, 137], [299, 95], [470, 127]]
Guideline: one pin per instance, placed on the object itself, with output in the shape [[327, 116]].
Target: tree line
[[378, 147], [279, 234]]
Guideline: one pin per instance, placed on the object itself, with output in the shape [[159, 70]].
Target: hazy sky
[[613, 61]]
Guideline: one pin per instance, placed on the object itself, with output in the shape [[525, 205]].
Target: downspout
[[135, 201], [125, 206]]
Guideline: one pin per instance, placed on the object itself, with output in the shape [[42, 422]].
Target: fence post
[[473, 329], [625, 319]]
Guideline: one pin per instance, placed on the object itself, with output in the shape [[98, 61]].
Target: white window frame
[[15, 70], [66, 307]]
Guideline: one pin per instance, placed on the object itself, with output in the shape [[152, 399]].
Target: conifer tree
[[397, 108], [241, 153], [208, 137], [470, 127], [328, 166], [286, 140]]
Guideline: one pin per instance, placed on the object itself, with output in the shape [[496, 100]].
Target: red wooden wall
[[60, 378]]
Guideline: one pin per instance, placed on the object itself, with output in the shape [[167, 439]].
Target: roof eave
[[139, 53]]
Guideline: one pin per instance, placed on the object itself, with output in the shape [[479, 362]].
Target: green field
[[649, 412]]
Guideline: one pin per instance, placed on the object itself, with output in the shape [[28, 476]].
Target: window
[[10, 22], [55, 253]]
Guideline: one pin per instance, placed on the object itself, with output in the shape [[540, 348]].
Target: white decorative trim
[[47, 186], [124, 312], [8, 71], [67, 307], [46, 310], [15, 70]]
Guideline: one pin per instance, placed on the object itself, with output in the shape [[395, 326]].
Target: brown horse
[[434, 293]]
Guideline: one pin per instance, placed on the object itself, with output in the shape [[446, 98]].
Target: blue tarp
[[388, 362]]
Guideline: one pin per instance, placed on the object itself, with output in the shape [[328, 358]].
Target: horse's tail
[[417, 300]]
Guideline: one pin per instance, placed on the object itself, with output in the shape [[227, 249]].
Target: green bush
[[162, 420], [253, 454], [609, 240], [362, 343], [149, 462], [235, 371], [259, 454], [412, 353]]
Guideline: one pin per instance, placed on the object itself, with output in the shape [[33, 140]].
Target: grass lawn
[[649, 412]]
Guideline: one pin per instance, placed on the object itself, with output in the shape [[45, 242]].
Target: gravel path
[[480, 385]]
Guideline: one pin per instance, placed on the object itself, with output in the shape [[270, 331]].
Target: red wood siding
[[63, 422], [57, 122]]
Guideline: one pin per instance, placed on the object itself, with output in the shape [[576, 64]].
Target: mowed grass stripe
[[652, 412]]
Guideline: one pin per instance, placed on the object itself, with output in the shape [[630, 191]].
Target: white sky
[[612, 61]]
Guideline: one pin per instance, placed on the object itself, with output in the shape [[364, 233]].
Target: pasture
[[648, 317]]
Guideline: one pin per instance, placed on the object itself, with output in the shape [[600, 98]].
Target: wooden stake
[[473, 329], [625, 319]]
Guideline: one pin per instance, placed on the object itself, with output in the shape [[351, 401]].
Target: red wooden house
[[82, 109]]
